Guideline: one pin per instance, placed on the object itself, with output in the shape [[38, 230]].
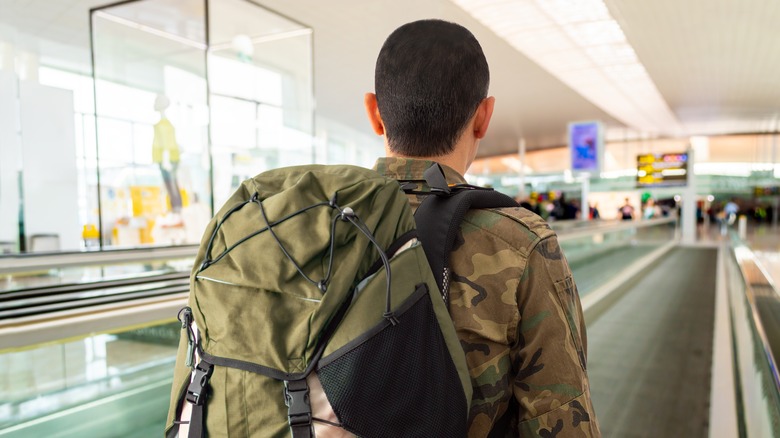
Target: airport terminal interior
[[647, 134]]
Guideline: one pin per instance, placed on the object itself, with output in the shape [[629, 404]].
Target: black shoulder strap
[[439, 217]]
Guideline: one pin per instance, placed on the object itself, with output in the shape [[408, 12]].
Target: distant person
[[651, 210], [626, 211], [559, 208], [731, 209], [571, 209], [529, 206], [531, 203], [512, 296], [594, 211]]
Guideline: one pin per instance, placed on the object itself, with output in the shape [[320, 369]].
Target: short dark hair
[[431, 76]]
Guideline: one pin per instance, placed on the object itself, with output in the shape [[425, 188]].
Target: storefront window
[[154, 116]]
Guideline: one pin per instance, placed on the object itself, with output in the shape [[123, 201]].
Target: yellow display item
[[90, 231], [91, 236], [146, 232], [164, 140], [147, 201], [185, 198]]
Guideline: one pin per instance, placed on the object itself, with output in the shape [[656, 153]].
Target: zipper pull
[[185, 316]]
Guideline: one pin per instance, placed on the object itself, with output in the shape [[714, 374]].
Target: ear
[[372, 109], [482, 117]]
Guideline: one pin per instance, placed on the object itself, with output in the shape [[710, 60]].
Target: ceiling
[[716, 63]]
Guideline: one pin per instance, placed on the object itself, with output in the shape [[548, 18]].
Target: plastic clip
[[196, 392], [296, 397]]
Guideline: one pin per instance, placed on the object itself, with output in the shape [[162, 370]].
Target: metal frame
[[209, 145]]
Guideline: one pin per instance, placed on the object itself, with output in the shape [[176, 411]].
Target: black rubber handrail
[[46, 308], [88, 294], [75, 287]]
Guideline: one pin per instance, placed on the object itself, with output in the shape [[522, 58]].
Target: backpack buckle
[[296, 397], [196, 392]]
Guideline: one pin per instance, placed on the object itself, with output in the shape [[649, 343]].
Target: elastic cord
[[363, 229]]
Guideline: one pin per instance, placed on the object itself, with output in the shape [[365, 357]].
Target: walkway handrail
[[18, 263], [759, 284], [20, 333], [610, 227]]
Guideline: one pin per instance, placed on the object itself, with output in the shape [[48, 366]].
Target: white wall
[[50, 181], [10, 159]]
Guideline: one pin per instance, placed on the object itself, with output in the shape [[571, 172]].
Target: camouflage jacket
[[517, 313]]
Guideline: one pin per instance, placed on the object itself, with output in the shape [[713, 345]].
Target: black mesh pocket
[[398, 381]]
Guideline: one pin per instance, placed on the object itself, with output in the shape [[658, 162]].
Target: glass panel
[[599, 254], [118, 382], [260, 79], [152, 126], [58, 276], [105, 180], [760, 400]]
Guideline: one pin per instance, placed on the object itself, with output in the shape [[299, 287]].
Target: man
[[512, 297]]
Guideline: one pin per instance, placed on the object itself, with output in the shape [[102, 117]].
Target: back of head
[[431, 76]]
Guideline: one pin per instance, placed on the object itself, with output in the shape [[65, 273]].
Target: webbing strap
[[197, 422], [301, 431], [196, 395], [439, 217]]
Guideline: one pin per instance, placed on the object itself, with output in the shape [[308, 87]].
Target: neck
[[459, 159]]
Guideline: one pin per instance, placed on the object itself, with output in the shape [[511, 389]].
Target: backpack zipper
[[200, 277]]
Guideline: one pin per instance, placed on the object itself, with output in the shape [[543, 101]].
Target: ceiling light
[[579, 43], [568, 12], [612, 54], [595, 33]]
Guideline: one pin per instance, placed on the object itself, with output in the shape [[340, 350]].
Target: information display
[[766, 191], [662, 170], [586, 145]]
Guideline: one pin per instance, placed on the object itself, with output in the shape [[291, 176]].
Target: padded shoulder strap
[[439, 217]]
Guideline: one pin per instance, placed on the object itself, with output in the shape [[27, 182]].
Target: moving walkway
[[650, 306]]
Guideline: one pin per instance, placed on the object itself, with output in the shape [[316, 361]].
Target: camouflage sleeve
[[549, 358]]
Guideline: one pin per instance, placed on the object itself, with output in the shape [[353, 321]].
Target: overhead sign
[[586, 146], [662, 170], [766, 191]]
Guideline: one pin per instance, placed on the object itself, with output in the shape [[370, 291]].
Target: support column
[[688, 220], [521, 156], [584, 207]]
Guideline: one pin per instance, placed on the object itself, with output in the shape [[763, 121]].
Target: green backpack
[[318, 271]]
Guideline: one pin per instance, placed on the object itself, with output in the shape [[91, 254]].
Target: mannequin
[[165, 141]]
